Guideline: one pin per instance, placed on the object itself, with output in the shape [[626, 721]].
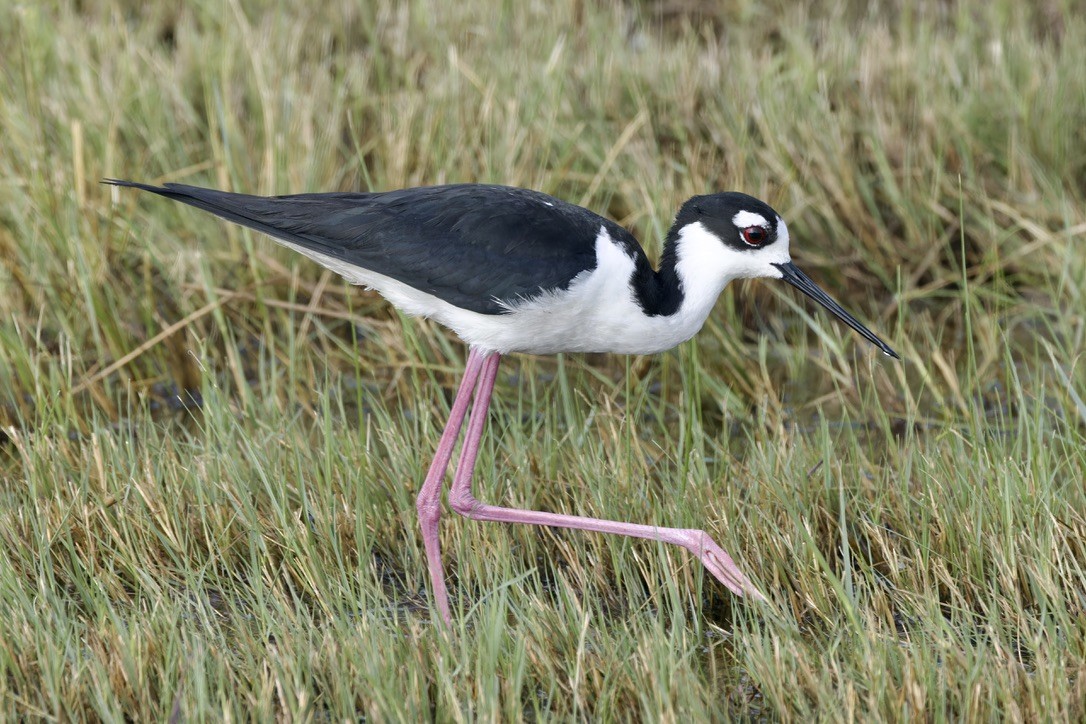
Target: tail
[[250, 211]]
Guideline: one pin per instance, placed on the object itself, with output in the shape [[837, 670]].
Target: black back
[[474, 246]]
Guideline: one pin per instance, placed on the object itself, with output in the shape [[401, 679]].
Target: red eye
[[755, 235]]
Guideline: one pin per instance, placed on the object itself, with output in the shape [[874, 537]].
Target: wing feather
[[478, 247]]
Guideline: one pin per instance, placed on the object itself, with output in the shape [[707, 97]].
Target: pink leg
[[697, 542], [429, 501]]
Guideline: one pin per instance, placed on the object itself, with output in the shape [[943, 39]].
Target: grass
[[210, 447]]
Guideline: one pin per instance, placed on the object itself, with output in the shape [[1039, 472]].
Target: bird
[[513, 270]]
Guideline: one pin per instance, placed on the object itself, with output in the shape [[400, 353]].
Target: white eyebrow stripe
[[743, 219]]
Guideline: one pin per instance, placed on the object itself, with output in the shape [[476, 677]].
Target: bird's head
[[736, 236]]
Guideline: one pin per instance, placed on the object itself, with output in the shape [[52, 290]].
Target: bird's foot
[[721, 565]]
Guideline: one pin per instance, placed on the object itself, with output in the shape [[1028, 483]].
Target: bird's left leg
[[429, 500], [698, 542]]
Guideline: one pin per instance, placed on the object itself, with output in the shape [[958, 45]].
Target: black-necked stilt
[[513, 270]]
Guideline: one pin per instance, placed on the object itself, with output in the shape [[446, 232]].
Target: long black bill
[[802, 282]]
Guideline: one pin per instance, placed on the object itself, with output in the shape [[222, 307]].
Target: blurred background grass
[[210, 447]]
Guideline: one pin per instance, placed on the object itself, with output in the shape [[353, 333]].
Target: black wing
[[471, 245]]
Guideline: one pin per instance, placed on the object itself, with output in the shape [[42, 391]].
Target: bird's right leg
[[429, 501], [698, 542]]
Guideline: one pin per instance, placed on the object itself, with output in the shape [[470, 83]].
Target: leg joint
[[698, 541], [464, 503], [429, 508]]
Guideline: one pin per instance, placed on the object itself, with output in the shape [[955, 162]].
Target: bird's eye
[[755, 235]]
